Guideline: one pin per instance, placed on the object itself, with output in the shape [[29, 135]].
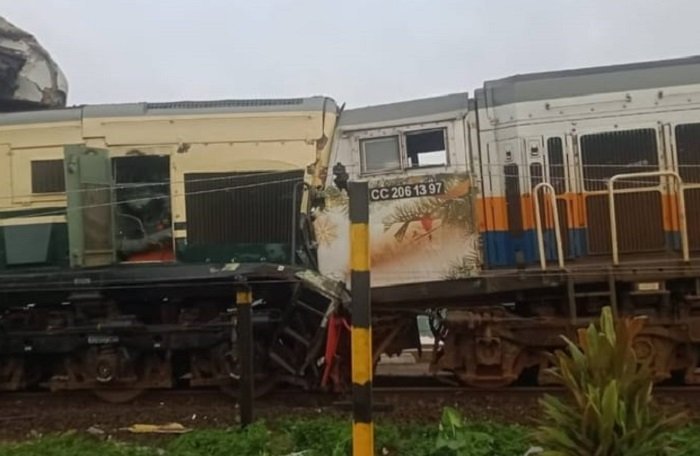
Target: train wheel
[[114, 374], [227, 360]]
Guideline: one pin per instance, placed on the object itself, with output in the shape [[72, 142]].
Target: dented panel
[[29, 77]]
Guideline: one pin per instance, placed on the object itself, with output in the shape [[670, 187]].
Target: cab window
[[380, 154]]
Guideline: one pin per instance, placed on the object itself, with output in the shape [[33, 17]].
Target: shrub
[[459, 438], [608, 409]]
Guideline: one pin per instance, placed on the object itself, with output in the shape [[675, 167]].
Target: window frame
[[363, 160], [33, 176], [404, 159]]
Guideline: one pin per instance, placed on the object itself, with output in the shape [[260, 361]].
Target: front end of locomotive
[[127, 230]]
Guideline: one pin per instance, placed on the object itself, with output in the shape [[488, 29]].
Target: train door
[[545, 165], [90, 210], [143, 215], [515, 243]]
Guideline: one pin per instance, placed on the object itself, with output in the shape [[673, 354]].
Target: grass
[[315, 437], [305, 437]]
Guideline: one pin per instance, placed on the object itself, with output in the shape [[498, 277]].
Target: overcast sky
[[359, 52]]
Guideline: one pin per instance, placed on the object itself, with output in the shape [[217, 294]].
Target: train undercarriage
[[121, 331], [496, 331]]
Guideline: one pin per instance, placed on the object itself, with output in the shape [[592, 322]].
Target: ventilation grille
[[240, 208], [225, 104]]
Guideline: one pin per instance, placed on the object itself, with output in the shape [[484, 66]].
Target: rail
[[680, 195], [538, 223]]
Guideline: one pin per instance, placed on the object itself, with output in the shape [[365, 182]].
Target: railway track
[[43, 412]]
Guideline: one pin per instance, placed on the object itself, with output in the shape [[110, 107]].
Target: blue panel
[[501, 247], [673, 240]]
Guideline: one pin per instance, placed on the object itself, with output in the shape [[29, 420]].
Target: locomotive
[[505, 218]]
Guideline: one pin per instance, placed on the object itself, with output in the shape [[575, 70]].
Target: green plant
[[72, 444], [255, 440], [459, 438], [608, 409]]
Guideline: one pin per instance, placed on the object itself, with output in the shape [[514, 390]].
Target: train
[[503, 218]]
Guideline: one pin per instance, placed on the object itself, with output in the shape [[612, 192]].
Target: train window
[[513, 209], [535, 174], [688, 146], [426, 148], [618, 152], [47, 176], [380, 154], [555, 156]]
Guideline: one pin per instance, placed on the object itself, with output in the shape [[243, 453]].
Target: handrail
[[681, 209], [538, 223]]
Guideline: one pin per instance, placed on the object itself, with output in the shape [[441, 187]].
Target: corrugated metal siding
[[240, 208]]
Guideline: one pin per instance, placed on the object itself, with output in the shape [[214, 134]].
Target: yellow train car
[[175, 168]]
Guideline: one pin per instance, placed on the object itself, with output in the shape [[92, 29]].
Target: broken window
[[48, 177], [426, 148], [380, 154]]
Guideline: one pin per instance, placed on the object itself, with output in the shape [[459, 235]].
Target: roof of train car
[[587, 81], [315, 103], [445, 104]]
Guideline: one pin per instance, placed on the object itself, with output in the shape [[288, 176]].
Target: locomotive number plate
[[406, 191]]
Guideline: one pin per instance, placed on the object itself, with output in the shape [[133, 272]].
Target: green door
[[90, 209]]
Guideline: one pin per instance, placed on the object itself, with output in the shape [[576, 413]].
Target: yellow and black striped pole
[[244, 328], [362, 428]]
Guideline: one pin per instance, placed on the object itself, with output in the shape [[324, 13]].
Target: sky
[[359, 52]]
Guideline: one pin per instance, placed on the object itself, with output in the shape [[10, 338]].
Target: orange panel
[[492, 214], [670, 212]]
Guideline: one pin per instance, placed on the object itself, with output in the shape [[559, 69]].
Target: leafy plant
[[458, 438], [608, 410], [255, 440]]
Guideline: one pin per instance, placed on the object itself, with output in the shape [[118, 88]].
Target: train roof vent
[[225, 103]]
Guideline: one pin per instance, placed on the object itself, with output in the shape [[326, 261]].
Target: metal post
[[557, 229], [244, 326], [362, 428]]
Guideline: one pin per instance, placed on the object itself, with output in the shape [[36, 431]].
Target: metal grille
[[619, 152], [225, 103], [688, 150], [48, 176], [240, 208], [513, 205], [692, 212], [639, 224]]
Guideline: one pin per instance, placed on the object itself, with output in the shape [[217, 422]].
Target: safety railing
[[538, 223], [680, 196]]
